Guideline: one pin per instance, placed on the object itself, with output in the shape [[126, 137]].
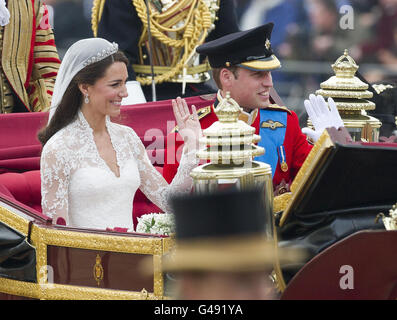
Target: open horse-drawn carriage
[[44, 261], [40, 260]]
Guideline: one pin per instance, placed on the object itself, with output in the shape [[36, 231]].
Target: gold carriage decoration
[[350, 95], [176, 29], [82, 264], [390, 221], [230, 146]]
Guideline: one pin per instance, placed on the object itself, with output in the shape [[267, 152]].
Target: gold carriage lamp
[[230, 149], [350, 95]]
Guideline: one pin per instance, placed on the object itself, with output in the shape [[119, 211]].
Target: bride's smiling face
[[106, 94]]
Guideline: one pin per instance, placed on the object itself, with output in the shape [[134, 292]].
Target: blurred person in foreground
[[217, 254]]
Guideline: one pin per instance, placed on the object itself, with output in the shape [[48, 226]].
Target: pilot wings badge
[[273, 125]]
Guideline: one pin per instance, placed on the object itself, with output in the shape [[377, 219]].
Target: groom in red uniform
[[241, 64]]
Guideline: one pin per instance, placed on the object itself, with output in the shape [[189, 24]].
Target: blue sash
[[272, 128]]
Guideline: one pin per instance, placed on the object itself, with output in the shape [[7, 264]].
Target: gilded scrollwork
[[281, 202], [19, 288], [14, 221], [96, 241], [50, 291], [67, 292], [43, 236]]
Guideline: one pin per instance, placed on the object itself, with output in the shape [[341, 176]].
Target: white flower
[[156, 223]]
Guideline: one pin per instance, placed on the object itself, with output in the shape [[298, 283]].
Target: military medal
[[283, 164]]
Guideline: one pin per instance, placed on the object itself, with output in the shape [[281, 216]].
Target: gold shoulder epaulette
[[277, 107], [201, 113], [96, 14]]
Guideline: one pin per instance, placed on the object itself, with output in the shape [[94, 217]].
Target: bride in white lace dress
[[90, 166]]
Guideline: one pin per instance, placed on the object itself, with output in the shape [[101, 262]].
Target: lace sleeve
[[54, 184], [153, 184]]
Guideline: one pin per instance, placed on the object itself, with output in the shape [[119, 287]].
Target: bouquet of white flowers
[[156, 223]]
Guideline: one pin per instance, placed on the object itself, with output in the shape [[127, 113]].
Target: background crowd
[[309, 35]]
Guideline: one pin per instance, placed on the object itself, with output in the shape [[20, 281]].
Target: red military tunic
[[29, 57], [295, 144]]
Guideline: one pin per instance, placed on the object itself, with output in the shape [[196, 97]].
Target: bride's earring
[[86, 99]]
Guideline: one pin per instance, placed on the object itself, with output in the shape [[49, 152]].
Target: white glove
[[135, 94], [322, 116], [4, 14]]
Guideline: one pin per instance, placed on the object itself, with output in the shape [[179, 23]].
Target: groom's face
[[250, 89], [107, 92]]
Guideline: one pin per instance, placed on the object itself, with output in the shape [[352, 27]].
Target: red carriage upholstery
[[23, 187], [20, 149]]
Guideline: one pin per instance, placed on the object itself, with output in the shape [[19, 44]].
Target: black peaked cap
[[250, 48]]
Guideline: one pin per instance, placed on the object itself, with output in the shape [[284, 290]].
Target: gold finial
[[144, 294], [348, 90], [345, 66], [229, 139], [228, 110], [350, 95]]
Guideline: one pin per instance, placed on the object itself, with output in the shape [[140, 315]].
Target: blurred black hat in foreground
[[223, 231]]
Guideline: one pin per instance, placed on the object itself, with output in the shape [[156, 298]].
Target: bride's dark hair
[[73, 98]]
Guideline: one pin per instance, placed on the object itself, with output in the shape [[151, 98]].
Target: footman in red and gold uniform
[[241, 64], [29, 58]]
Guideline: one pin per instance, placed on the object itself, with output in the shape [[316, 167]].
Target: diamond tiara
[[102, 54]]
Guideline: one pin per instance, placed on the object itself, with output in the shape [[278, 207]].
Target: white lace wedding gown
[[78, 186]]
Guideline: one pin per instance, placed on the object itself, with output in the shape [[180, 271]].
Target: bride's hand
[[188, 123]]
